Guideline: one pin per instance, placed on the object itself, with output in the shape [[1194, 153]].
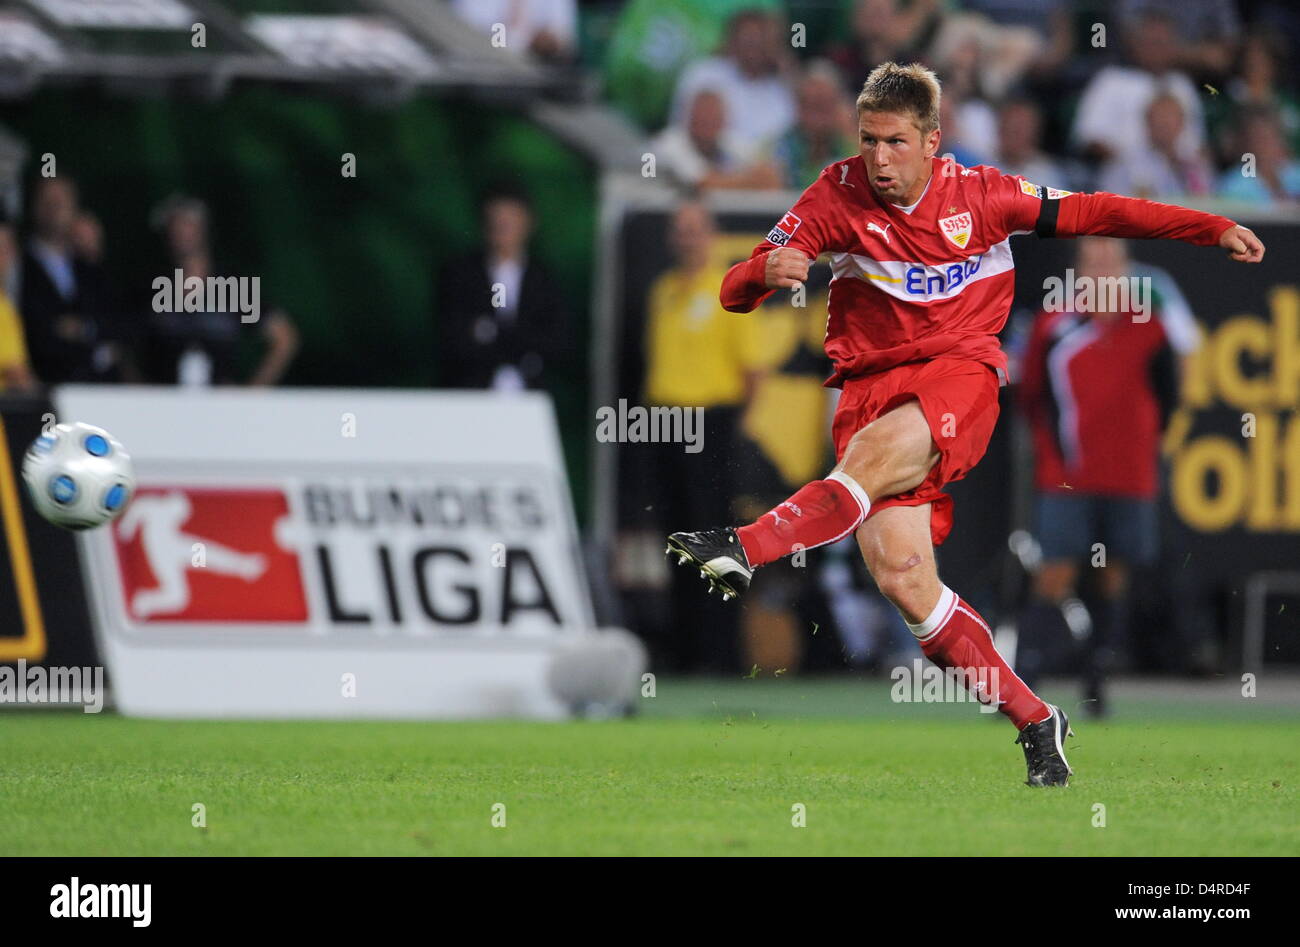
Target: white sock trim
[[934, 623], [854, 488]]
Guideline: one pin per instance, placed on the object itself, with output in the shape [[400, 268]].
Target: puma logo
[[776, 513], [883, 231]]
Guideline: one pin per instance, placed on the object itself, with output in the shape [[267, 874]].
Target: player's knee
[[904, 582]]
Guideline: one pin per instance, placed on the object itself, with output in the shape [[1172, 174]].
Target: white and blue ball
[[78, 476]]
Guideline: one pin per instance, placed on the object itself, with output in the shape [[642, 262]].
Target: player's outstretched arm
[[1110, 215]]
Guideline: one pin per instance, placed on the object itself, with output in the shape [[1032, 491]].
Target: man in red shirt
[[922, 283], [1098, 383]]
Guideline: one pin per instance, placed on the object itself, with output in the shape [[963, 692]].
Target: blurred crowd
[[65, 317], [1164, 99], [1170, 100]]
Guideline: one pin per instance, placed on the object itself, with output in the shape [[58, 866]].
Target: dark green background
[[351, 259]]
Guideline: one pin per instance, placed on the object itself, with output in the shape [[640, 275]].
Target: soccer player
[[922, 283]]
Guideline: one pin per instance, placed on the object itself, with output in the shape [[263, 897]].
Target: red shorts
[[959, 398]]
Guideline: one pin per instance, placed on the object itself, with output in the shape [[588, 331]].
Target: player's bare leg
[[890, 455], [896, 547]]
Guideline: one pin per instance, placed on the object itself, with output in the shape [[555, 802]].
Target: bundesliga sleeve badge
[[784, 229]]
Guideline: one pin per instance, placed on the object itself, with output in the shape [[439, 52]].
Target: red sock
[[954, 636], [820, 513]]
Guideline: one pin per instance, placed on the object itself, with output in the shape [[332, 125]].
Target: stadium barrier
[[340, 553]]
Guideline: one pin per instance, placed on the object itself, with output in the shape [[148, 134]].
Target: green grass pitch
[[710, 767]]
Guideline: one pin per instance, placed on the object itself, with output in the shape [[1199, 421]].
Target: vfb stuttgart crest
[[957, 229]]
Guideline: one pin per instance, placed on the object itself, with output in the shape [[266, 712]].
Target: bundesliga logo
[[199, 555], [784, 229]]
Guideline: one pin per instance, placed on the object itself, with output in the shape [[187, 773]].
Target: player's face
[[896, 155]]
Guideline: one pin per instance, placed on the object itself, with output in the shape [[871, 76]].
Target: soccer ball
[[78, 476]]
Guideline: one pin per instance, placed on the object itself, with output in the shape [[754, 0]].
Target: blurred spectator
[[699, 357], [87, 237], [1100, 381], [705, 155], [15, 372], [883, 31], [751, 78], [1207, 30], [1163, 172], [546, 28], [784, 442], [65, 317], [202, 348], [968, 130], [501, 320], [981, 57], [653, 42], [1261, 82], [969, 123], [697, 352], [1048, 19], [825, 128], [1111, 117], [1019, 132], [1276, 173]]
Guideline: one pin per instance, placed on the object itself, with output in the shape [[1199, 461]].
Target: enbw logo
[[929, 281]]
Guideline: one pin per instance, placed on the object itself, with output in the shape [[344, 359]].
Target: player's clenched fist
[[1243, 245], [786, 268]]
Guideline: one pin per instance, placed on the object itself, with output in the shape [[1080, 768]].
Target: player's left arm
[[1029, 208], [1110, 215]]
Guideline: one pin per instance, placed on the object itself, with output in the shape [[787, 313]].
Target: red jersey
[[936, 279], [1093, 390]]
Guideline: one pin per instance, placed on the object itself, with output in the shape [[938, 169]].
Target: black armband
[[1046, 225]]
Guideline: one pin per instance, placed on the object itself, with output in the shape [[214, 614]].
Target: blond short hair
[[909, 90]]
